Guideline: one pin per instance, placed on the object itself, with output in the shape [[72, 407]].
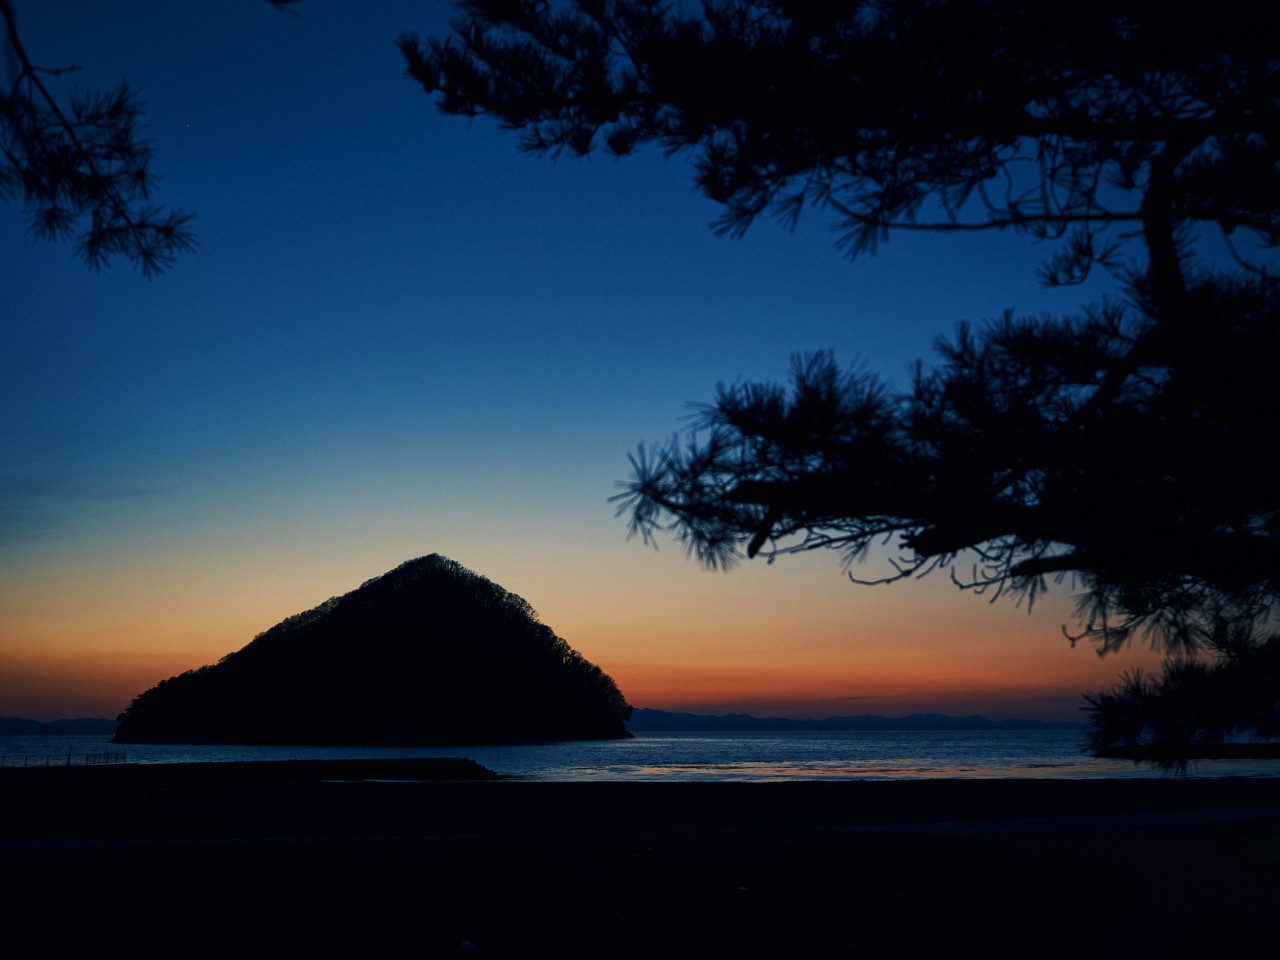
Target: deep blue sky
[[401, 336]]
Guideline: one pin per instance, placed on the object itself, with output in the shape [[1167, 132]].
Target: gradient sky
[[400, 336]]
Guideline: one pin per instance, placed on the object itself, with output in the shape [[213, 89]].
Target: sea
[[741, 756]]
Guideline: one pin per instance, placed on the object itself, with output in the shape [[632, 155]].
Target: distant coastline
[[21, 726], [654, 721], [645, 719]]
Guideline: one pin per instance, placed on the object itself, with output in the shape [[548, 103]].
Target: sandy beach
[[375, 859]]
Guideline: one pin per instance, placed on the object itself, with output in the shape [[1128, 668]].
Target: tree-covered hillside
[[429, 653]]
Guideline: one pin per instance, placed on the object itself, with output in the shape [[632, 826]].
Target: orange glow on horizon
[[785, 640]]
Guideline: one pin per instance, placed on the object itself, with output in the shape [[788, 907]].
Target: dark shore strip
[[445, 797], [361, 859], [95, 776]]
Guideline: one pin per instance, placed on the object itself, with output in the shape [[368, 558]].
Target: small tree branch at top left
[[79, 167]]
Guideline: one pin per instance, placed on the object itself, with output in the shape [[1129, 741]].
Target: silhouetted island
[[429, 653]]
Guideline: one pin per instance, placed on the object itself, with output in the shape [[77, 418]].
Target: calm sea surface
[[809, 755]]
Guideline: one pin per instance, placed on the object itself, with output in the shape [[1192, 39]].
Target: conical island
[[429, 653]]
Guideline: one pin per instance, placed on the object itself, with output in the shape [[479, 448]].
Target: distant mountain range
[[19, 726], [644, 719]]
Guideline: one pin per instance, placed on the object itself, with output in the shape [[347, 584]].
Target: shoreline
[[249, 859], [439, 797]]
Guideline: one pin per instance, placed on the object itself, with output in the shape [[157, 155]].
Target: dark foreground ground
[[309, 860]]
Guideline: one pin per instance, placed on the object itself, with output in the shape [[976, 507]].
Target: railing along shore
[[64, 760]]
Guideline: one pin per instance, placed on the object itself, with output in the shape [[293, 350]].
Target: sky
[[401, 336]]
